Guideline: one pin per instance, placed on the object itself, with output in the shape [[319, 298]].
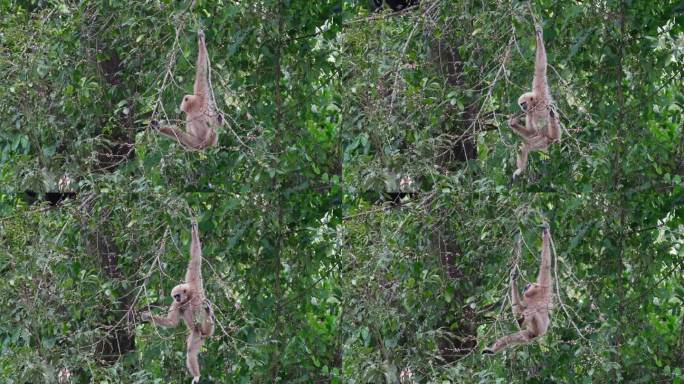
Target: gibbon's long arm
[[520, 129], [171, 320], [182, 137], [544, 279], [516, 303], [201, 88], [194, 273], [539, 85]]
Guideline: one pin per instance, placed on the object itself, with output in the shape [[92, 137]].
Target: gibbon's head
[[526, 101], [532, 290], [189, 102], [181, 293]]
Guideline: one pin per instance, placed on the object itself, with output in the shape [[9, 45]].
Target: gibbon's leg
[[521, 130], [205, 135], [522, 160], [526, 133], [194, 273], [171, 320], [182, 137], [539, 83], [554, 132], [207, 328], [194, 343], [537, 325], [522, 337]]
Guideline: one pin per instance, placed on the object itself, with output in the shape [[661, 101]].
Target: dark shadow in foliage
[[54, 198], [397, 198], [445, 57], [120, 335], [454, 344], [117, 147], [394, 192], [112, 150], [112, 154], [395, 5], [393, 199], [110, 66]]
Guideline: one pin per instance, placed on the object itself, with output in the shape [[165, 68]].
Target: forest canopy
[[358, 217]]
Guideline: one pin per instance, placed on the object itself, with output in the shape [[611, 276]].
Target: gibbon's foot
[[195, 380], [487, 351], [145, 316]]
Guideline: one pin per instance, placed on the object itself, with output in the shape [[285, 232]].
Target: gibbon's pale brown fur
[[190, 304], [532, 311], [542, 126], [199, 108]]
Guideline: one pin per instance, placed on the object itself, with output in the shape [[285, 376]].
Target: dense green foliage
[[358, 219]]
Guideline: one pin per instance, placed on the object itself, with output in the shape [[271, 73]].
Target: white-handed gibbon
[[190, 304], [199, 108], [542, 126], [532, 311]]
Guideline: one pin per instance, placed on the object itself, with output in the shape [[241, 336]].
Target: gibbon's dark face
[[526, 101], [531, 290], [188, 103], [181, 293]]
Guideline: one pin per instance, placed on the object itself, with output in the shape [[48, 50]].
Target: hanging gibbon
[[542, 126], [532, 311], [199, 108], [190, 304]]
